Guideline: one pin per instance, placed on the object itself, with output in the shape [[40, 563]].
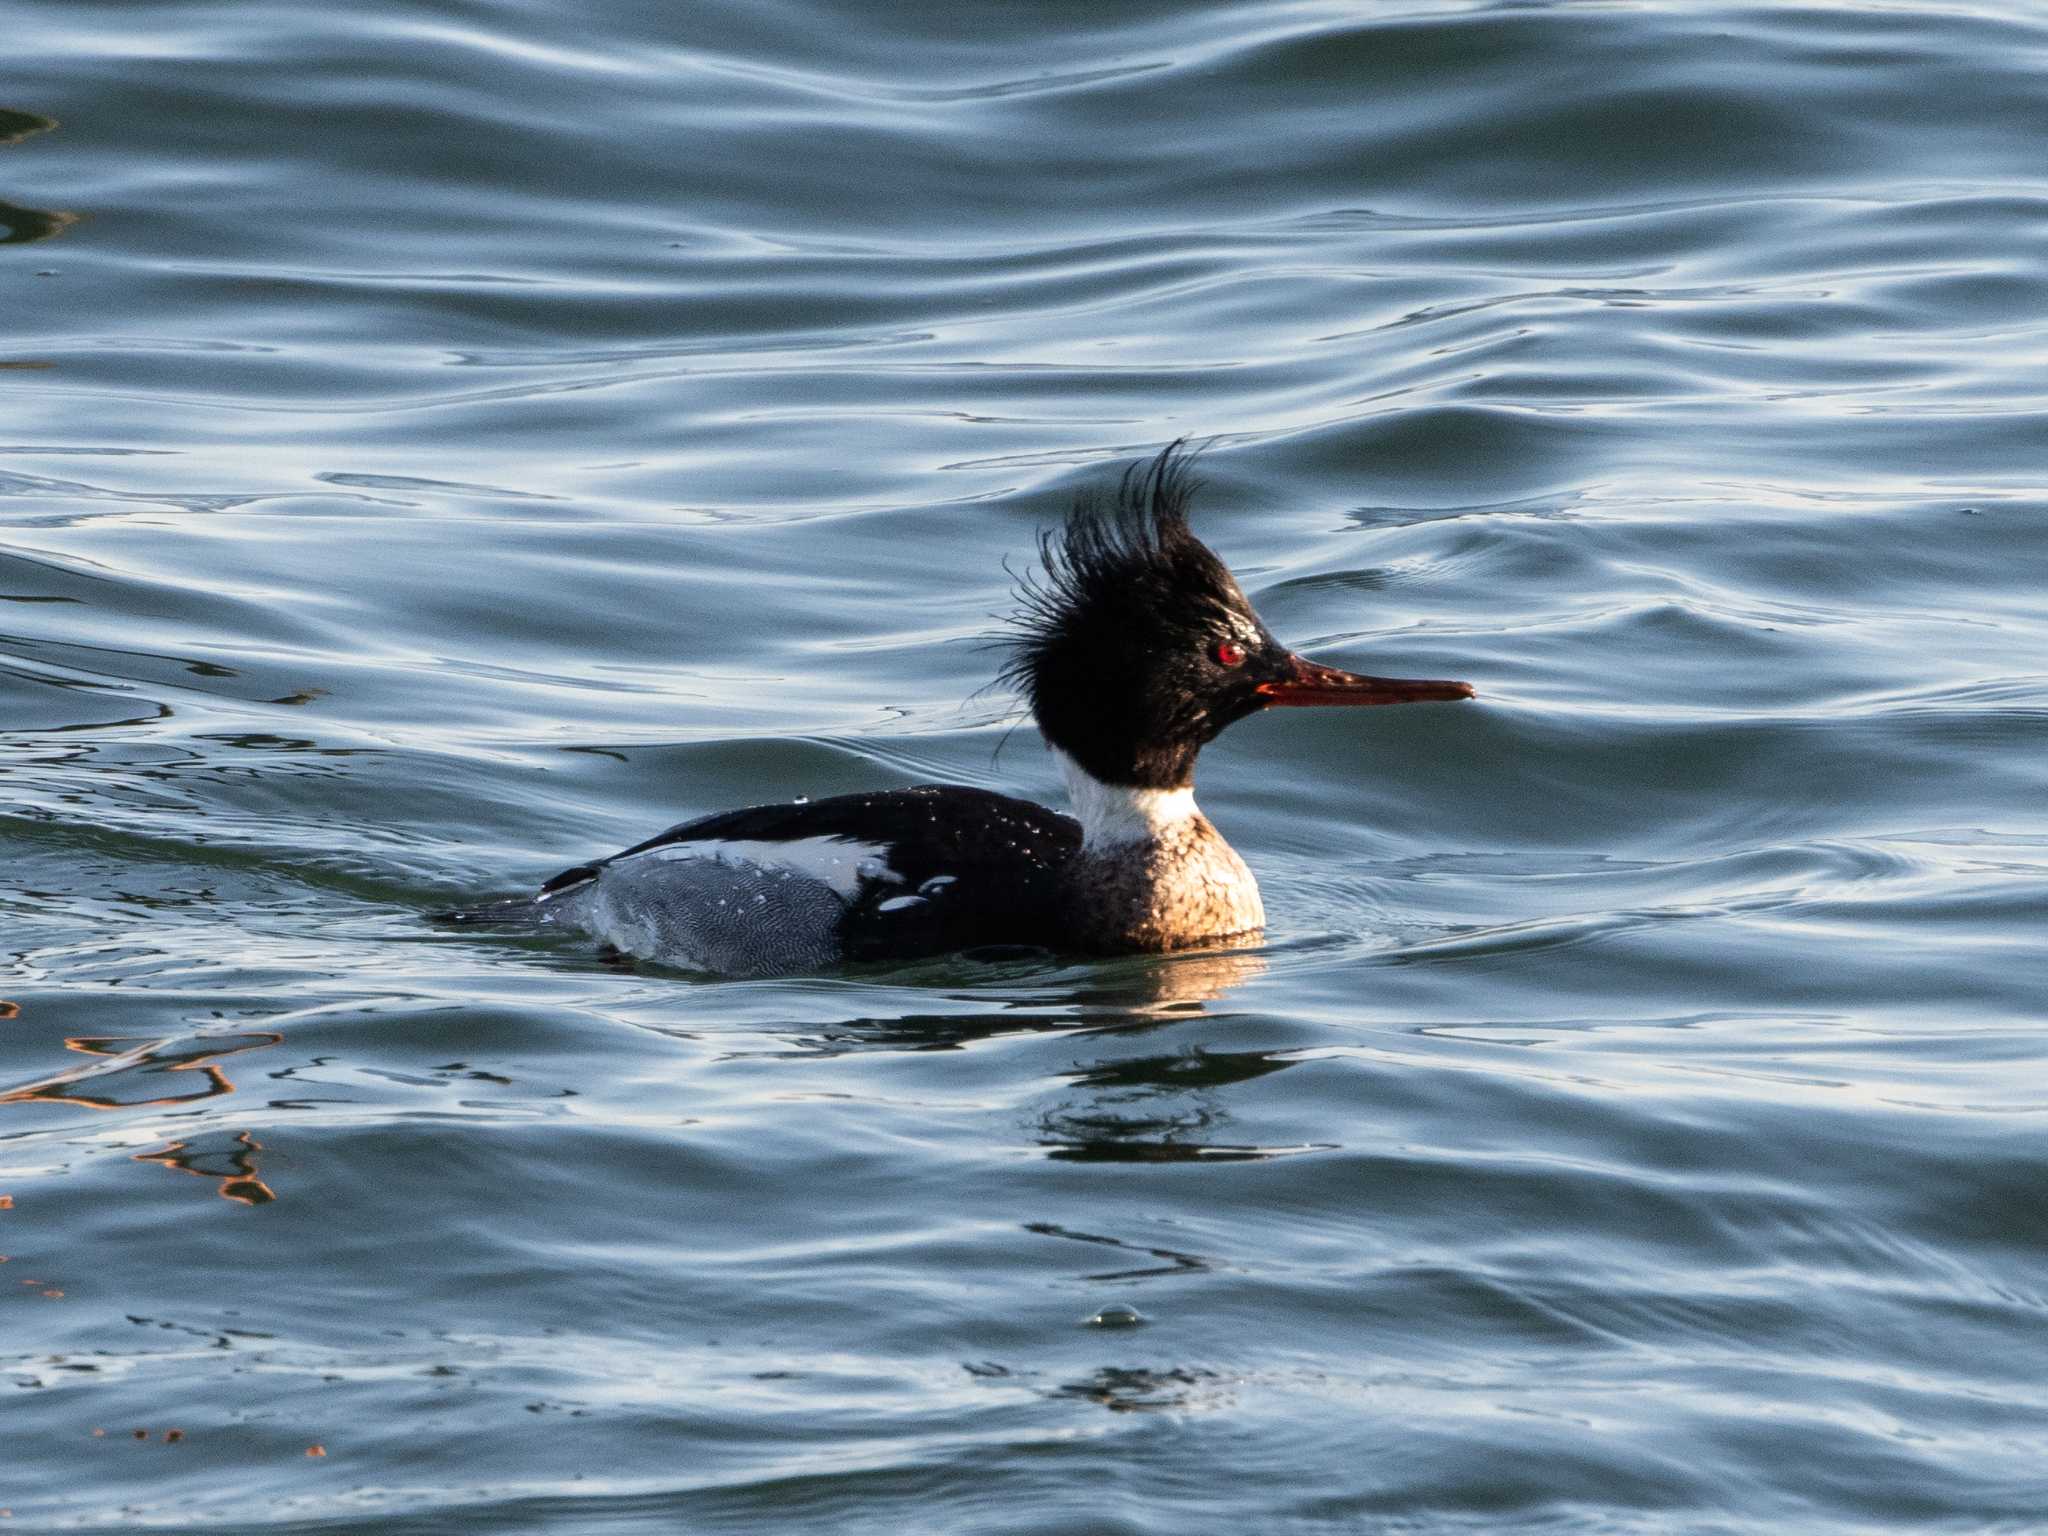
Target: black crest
[[1115, 643]]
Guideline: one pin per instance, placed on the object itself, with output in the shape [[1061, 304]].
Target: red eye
[[1228, 653]]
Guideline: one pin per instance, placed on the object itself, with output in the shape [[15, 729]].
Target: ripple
[[455, 446]]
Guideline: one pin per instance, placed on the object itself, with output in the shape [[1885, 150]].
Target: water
[[445, 442]]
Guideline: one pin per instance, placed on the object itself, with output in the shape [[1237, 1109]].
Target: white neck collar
[[1112, 815]]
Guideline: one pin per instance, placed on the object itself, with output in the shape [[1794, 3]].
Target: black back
[[1005, 857]]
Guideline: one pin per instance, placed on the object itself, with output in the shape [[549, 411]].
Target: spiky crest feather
[[1109, 636], [1132, 549]]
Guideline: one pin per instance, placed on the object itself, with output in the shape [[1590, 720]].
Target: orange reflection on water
[[122, 1065], [233, 1165], [127, 1073]]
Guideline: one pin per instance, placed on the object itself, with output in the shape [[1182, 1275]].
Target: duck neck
[[1153, 872], [1119, 816]]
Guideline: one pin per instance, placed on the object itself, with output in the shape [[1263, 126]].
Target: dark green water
[[439, 443]]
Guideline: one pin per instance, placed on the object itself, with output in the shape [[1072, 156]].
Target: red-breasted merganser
[[1134, 649]]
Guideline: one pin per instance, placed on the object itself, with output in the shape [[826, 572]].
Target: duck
[[1133, 647]]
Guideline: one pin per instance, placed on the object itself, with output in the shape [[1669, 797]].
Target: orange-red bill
[[1310, 683]]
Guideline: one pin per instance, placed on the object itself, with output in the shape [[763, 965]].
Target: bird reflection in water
[[1164, 1108], [127, 1073], [1158, 1109], [1114, 997], [1128, 1109]]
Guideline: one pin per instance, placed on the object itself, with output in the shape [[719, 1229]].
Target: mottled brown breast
[[1183, 887]]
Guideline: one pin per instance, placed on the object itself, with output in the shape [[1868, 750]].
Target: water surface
[[442, 443]]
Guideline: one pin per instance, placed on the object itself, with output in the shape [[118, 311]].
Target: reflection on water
[[126, 1074], [1138, 1389], [1120, 997], [16, 126], [1160, 1109], [1174, 1074], [231, 1160], [1119, 1388], [1182, 983], [20, 225], [1175, 1262]]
